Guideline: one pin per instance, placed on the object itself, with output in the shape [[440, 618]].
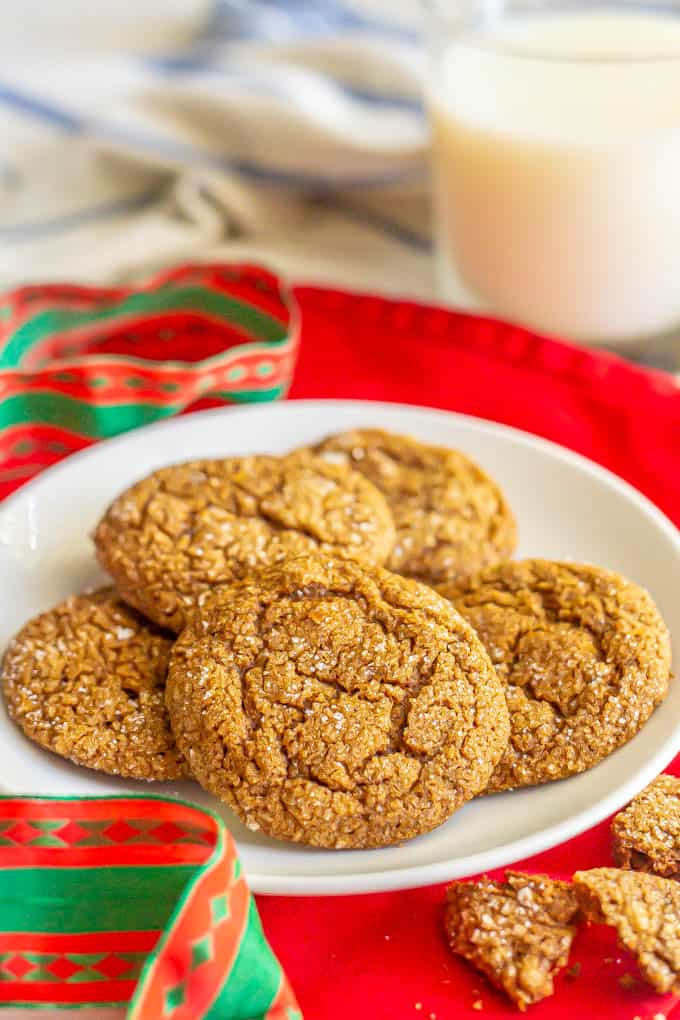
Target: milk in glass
[[556, 156]]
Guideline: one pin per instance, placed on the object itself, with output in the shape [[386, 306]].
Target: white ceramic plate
[[567, 508]]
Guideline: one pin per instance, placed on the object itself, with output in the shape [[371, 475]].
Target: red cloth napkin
[[384, 957]]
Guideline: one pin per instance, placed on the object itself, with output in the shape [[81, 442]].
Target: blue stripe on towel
[[191, 155], [294, 19], [193, 64], [39, 108], [378, 221], [69, 221], [388, 100]]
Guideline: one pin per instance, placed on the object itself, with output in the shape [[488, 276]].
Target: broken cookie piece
[[646, 834], [645, 911], [518, 932]]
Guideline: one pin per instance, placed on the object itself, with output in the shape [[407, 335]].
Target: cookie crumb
[[627, 981], [518, 932], [573, 972], [418, 1006], [478, 1004]]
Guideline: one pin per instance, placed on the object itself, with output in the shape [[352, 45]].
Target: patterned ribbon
[[105, 901], [78, 364], [132, 899]]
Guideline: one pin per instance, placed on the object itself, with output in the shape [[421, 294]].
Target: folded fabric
[[121, 154], [79, 364], [105, 901]]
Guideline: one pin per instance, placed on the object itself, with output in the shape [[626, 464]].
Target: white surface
[[566, 508], [556, 150], [46, 26]]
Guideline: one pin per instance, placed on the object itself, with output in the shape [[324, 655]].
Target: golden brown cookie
[[518, 932], [584, 655], [645, 911], [175, 534], [334, 705], [646, 834], [451, 518], [87, 680]]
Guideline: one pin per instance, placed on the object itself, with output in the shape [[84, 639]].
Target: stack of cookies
[[336, 644]]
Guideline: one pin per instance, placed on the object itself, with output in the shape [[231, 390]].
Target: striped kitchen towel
[[123, 151]]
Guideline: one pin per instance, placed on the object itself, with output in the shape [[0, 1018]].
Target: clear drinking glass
[[556, 163]]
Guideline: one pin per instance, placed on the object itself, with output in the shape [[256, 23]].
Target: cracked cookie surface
[[584, 655], [451, 518], [87, 681], [518, 932], [184, 528], [335, 705], [645, 911], [646, 834]]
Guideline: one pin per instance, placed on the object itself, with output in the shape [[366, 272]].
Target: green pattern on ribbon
[[254, 977], [78, 415], [62, 832], [211, 949], [134, 357], [146, 893], [201, 951], [70, 880], [174, 998], [252, 396], [99, 421], [72, 968], [166, 299]]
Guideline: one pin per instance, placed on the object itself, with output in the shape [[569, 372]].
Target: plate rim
[[419, 875]]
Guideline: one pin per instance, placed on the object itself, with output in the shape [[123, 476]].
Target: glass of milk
[[556, 162]]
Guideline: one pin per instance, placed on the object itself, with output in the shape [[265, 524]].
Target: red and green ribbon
[[139, 900], [136, 900], [79, 364]]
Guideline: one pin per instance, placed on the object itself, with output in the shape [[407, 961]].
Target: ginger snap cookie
[[646, 834], [584, 655], [645, 911], [87, 681], [176, 533], [451, 518], [518, 932], [335, 705]]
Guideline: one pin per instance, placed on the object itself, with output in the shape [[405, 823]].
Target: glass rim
[[435, 12]]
